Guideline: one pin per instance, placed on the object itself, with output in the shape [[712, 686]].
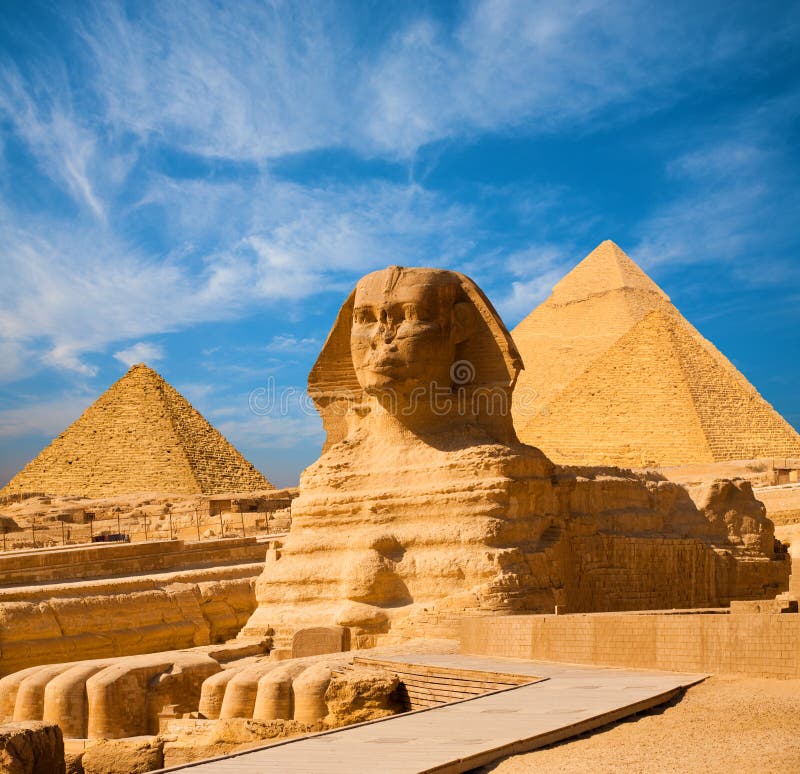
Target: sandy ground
[[725, 724]]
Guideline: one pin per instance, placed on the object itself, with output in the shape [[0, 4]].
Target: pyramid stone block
[[141, 435]]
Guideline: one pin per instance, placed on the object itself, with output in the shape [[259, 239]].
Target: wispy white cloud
[[45, 418], [43, 117], [289, 343], [260, 80], [73, 289], [738, 201], [273, 432], [246, 81], [140, 352], [542, 65], [534, 271]]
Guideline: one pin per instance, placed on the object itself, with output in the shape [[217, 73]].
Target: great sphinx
[[424, 507]]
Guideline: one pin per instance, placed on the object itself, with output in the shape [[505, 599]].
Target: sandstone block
[[361, 694], [309, 694], [31, 748], [124, 756], [125, 698]]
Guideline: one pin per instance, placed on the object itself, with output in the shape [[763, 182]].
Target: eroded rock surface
[[124, 756], [31, 748]]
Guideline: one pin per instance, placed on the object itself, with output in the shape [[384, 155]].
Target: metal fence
[[63, 530]]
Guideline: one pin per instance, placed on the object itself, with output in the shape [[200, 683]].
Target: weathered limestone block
[[731, 506], [245, 731], [124, 756], [275, 697], [125, 698], [9, 688], [226, 605], [424, 507], [65, 699], [309, 693], [361, 694], [100, 619], [30, 694], [320, 639], [241, 691], [212, 692], [31, 748]]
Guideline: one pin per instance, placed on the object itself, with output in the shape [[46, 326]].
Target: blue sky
[[198, 185]]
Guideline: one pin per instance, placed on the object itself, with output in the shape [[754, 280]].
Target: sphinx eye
[[410, 312], [363, 314]]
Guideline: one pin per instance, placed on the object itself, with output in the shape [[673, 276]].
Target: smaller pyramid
[[141, 435], [615, 375]]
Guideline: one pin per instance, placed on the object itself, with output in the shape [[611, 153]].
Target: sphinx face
[[401, 333]]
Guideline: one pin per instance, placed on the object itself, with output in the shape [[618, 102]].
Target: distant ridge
[[614, 374], [141, 435]]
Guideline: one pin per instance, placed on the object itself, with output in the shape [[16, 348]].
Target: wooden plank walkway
[[568, 701]]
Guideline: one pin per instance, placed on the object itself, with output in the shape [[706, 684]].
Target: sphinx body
[[424, 507]]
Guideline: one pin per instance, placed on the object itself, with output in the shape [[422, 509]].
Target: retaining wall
[[755, 644], [108, 560]]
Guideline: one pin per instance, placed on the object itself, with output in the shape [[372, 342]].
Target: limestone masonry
[[615, 375], [141, 435]]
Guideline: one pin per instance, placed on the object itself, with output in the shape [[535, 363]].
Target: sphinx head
[[409, 339], [406, 326]]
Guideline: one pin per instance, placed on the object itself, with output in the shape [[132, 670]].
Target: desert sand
[[724, 724]]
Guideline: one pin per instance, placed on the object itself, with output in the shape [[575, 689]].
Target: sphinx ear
[[463, 322]]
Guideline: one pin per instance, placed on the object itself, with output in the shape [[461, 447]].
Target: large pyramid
[[614, 374], [141, 435]]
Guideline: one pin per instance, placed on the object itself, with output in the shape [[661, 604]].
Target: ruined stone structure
[[123, 616], [91, 699], [615, 375], [425, 508], [141, 435]]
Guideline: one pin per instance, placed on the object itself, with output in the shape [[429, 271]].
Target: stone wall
[[755, 644], [124, 616], [119, 559]]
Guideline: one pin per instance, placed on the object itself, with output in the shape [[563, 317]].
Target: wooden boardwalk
[[570, 700]]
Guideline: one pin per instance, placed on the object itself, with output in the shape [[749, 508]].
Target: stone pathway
[[568, 701]]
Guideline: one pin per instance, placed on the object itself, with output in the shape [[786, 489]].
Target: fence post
[[241, 513], [221, 526], [33, 531], [171, 536], [197, 524]]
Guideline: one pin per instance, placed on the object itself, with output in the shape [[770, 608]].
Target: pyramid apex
[[604, 269], [144, 370]]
